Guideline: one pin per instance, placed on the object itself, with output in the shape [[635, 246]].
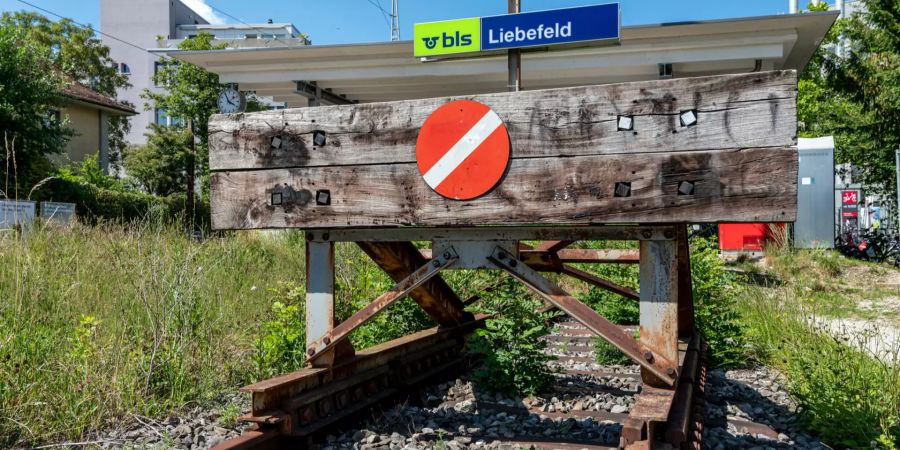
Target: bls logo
[[448, 40], [430, 42]]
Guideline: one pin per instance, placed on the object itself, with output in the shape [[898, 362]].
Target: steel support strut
[[317, 348], [661, 365], [398, 259], [658, 304], [685, 286], [320, 297], [588, 277]]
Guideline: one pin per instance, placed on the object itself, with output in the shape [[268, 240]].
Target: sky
[[347, 21]]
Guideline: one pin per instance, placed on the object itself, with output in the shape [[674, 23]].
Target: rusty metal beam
[[428, 271], [399, 259], [664, 368], [570, 255], [303, 403], [679, 419], [251, 440], [599, 282], [584, 255], [553, 246], [685, 287], [536, 258]]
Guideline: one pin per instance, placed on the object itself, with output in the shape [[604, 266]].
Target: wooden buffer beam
[[632, 161]]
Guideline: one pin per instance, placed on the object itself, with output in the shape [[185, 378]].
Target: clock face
[[230, 101]]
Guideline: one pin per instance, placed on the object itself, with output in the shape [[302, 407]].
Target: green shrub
[[282, 346], [159, 167], [89, 171], [715, 309], [614, 307], [95, 204], [510, 346]]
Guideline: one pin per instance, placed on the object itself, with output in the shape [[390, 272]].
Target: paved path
[[878, 338]]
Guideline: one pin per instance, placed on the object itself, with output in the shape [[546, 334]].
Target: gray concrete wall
[[140, 22]]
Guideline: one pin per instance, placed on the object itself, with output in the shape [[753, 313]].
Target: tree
[[852, 90], [29, 93], [159, 166], [77, 53], [191, 92]]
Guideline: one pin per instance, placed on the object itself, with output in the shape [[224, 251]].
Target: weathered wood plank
[[744, 185], [734, 111]]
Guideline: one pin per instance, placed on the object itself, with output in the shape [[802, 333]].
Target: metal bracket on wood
[[401, 289], [649, 359]]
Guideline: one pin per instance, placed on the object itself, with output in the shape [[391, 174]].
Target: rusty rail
[[296, 408]]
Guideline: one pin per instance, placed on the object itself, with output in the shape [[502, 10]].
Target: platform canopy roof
[[388, 71]]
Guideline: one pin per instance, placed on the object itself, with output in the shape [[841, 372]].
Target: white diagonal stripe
[[462, 149]]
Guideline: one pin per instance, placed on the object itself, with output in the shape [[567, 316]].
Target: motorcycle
[[871, 245]]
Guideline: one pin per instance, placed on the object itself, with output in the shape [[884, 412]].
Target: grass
[[845, 395], [98, 323], [101, 322]]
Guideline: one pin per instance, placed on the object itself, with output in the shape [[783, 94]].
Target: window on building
[[124, 69], [164, 119]]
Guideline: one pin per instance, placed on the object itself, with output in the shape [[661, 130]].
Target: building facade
[[162, 24], [87, 113], [141, 23]]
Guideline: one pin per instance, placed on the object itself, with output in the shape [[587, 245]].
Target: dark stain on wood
[[733, 186], [561, 122]]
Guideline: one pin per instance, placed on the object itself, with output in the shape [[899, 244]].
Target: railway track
[[405, 394]]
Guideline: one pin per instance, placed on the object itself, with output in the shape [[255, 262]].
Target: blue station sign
[[596, 23], [555, 26]]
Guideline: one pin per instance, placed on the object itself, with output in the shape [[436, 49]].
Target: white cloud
[[205, 11]]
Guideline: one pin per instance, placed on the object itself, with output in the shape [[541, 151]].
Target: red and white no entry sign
[[462, 150]]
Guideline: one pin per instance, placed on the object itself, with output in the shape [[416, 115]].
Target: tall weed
[[510, 346], [845, 395]]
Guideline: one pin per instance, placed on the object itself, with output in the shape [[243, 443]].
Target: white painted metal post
[[319, 289], [659, 302]]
